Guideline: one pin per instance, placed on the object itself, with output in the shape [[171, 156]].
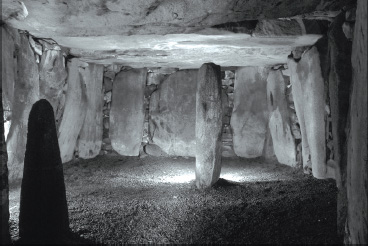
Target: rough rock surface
[[52, 76], [250, 113], [90, 136], [127, 111], [208, 125], [74, 112], [279, 124], [26, 92], [43, 213], [308, 90], [357, 170], [172, 112]]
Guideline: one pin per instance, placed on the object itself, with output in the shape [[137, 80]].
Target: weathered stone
[[357, 168], [172, 110], [227, 151], [283, 140], [26, 92], [250, 113], [308, 90], [74, 112], [106, 122], [110, 75], [52, 76], [149, 90], [154, 150], [107, 97], [43, 216], [278, 28], [90, 136], [107, 84], [208, 125], [127, 112], [350, 15], [348, 29], [4, 207], [155, 78]]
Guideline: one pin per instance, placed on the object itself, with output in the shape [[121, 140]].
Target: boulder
[[172, 111], [127, 111], [26, 93], [309, 99], [282, 138], [208, 125], [43, 213], [90, 136], [357, 168], [74, 112], [250, 113], [154, 150]]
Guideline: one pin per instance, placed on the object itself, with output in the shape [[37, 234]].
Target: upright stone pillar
[[208, 125], [43, 216]]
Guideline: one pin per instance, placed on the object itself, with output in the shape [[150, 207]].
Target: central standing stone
[[208, 125]]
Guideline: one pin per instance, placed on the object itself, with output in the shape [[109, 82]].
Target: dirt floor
[[116, 199]]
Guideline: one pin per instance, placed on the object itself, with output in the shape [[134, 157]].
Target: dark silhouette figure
[[43, 214]]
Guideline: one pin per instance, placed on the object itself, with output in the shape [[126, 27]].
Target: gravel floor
[[116, 199]]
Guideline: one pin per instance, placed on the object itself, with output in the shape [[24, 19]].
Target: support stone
[[208, 125], [74, 112], [127, 111], [308, 90], [90, 136], [43, 216], [357, 168]]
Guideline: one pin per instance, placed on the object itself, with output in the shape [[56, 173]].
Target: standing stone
[[208, 125], [308, 90], [90, 136], [5, 235], [357, 170], [74, 112], [127, 111], [43, 216], [282, 138], [52, 76], [173, 116], [250, 113], [26, 93]]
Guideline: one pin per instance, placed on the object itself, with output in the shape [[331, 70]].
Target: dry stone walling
[[43, 213], [208, 125]]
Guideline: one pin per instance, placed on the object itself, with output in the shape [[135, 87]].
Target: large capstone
[[90, 136], [283, 140], [172, 112], [208, 125], [43, 216], [250, 113], [127, 111], [74, 112], [309, 98]]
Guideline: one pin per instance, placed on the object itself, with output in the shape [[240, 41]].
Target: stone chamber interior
[[157, 121]]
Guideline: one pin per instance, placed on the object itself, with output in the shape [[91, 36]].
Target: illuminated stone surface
[[357, 170], [90, 136], [74, 112], [26, 92], [308, 91], [208, 125], [283, 140], [127, 111], [43, 213], [172, 110], [250, 113]]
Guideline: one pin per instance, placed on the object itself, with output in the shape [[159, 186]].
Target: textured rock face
[[250, 113], [43, 213], [283, 140], [127, 111], [357, 169], [90, 136], [74, 112], [308, 90], [208, 125], [172, 111], [26, 92]]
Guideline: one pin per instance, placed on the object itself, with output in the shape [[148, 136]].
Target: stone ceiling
[[175, 33]]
